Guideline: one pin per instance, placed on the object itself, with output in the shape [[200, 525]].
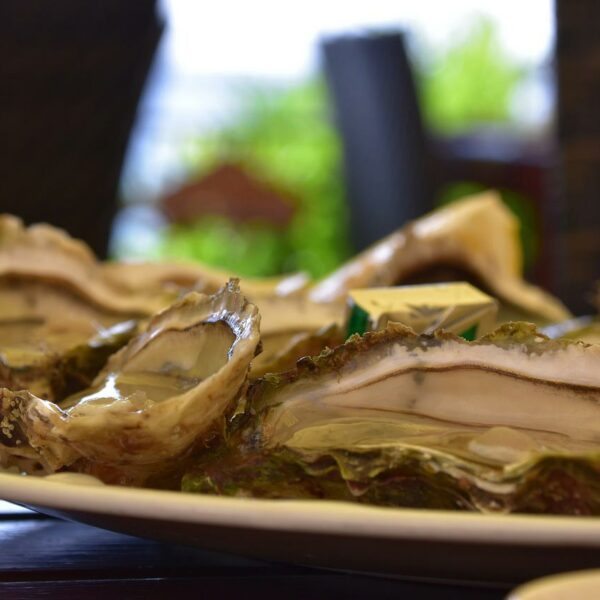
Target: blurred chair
[[71, 73]]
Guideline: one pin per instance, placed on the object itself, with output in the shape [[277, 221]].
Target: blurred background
[[265, 138]]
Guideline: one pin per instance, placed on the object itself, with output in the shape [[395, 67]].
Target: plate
[[408, 543], [583, 585]]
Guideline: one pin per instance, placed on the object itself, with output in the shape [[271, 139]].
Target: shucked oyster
[[474, 239], [511, 422], [53, 358], [138, 277], [62, 311], [43, 266], [293, 325], [167, 390], [59, 317]]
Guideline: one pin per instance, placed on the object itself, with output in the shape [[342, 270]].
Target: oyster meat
[[292, 326], [164, 392], [507, 423]]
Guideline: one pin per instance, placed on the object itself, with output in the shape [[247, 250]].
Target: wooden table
[[42, 557]]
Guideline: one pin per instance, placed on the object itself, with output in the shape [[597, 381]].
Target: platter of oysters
[[411, 411]]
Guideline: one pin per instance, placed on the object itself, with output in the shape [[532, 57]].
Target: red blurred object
[[233, 192]]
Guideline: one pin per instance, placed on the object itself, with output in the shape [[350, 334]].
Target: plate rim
[[307, 516]]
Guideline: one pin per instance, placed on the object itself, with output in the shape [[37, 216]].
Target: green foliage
[[284, 137], [251, 249], [469, 83]]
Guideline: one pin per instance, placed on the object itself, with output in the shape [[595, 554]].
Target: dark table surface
[[42, 557]]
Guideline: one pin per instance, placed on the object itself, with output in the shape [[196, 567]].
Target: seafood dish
[[181, 377]]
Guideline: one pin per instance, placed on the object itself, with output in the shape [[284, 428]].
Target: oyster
[[281, 354], [432, 421], [60, 318], [164, 392], [474, 239], [61, 307], [42, 266], [288, 317], [53, 359], [291, 325], [138, 277]]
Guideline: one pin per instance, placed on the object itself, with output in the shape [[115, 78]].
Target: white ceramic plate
[[408, 543], [581, 585]]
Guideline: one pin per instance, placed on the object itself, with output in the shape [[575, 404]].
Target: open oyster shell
[[281, 354], [57, 268], [475, 238], [53, 359], [164, 392], [431, 421], [60, 318], [63, 312], [137, 277]]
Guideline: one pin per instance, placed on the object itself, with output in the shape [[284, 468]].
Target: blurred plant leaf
[[286, 138], [468, 84]]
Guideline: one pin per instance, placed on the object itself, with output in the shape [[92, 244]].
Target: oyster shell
[[432, 421], [54, 272], [477, 235], [60, 305], [137, 277], [288, 317], [53, 359], [59, 317], [167, 390], [42, 266], [281, 353]]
